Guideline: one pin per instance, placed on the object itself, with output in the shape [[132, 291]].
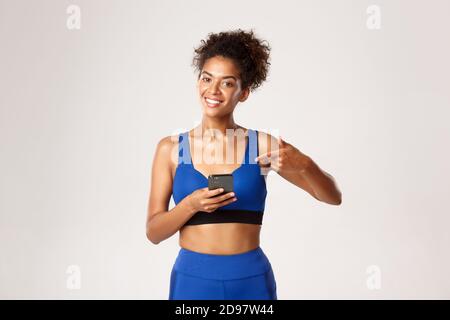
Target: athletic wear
[[242, 276], [248, 275], [249, 186]]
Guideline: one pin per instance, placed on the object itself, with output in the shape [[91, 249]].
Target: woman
[[220, 256]]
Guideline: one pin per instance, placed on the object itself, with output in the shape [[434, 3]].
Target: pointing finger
[[268, 156]]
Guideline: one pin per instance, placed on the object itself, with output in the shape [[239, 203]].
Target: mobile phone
[[224, 181]]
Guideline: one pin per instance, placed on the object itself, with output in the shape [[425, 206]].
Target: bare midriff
[[220, 238]]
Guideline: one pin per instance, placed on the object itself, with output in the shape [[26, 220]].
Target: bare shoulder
[[167, 142], [161, 176], [166, 155]]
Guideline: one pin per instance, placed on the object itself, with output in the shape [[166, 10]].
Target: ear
[[244, 94]]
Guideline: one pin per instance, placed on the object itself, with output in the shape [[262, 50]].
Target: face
[[219, 81]]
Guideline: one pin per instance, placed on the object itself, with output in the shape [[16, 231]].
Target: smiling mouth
[[212, 103]]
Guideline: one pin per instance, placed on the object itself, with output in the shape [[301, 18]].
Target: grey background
[[82, 112]]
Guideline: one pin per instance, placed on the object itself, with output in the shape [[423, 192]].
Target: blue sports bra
[[249, 186]]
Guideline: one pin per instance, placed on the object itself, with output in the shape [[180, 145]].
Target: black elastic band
[[226, 216]]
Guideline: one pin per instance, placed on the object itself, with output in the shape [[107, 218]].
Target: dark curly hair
[[250, 54]]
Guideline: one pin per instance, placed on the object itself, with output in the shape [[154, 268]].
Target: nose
[[214, 87]]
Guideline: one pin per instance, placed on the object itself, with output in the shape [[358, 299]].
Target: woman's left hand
[[286, 159]]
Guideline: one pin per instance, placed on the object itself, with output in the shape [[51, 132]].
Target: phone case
[[224, 181]]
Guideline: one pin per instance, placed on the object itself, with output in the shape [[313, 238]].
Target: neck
[[221, 125]]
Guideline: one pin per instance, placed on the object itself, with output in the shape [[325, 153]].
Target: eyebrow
[[233, 77]]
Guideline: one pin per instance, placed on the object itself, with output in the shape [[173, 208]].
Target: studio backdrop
[[88, 88]]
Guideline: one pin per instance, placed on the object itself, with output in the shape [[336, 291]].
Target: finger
[[223, 203], [268, 156], [265, 170], [226, 196], [274, 164], [264, 165], [220, 198], [214, 192]]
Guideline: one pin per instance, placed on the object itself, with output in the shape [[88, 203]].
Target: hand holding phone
[[224, 181], [207, 200]]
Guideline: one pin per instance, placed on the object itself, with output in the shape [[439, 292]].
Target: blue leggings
[[242, 276]]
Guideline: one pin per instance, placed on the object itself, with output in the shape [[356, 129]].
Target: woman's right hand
[[208, 200]]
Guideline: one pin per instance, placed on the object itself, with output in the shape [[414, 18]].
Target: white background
[[82, 112]]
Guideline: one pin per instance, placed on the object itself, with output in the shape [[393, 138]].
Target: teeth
[[212, 101]]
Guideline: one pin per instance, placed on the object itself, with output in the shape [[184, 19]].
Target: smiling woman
[[229, 66], [250, 55], [220, 255]]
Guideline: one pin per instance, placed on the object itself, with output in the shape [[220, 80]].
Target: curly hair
[[250, 54]]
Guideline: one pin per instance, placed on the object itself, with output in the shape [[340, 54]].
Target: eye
[[205, 78], [228, 84]]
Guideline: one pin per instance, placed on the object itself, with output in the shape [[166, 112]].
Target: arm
[[161, 222], [300, 170], [321, 184]]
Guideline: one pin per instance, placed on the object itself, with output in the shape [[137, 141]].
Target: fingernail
[[232, 194], [221, 189]]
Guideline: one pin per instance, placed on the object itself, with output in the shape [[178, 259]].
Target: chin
[[212, 113]]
